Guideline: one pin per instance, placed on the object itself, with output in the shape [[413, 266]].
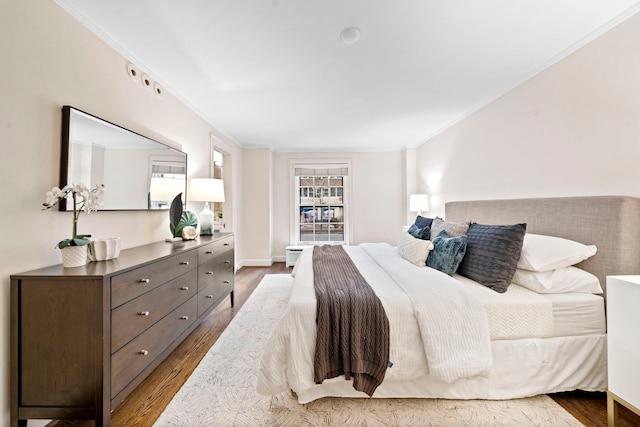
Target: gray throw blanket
[[352, 327]]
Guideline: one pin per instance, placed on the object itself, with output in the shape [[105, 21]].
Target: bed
[[534, 342]]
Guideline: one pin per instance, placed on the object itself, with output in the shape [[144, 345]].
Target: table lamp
[[206, 190]]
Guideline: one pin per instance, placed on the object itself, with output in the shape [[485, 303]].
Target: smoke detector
[[350, 35]]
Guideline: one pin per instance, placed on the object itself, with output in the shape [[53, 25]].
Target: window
[[320, 207]]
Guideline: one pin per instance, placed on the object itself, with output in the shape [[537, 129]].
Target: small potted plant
[[217, 222], [74, 250]]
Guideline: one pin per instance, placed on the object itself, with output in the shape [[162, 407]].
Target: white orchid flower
[[83, 200], [51, 199]]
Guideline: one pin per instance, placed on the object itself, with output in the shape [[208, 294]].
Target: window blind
[[322, 171]]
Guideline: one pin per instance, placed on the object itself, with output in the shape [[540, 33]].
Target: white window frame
[[294, 237]]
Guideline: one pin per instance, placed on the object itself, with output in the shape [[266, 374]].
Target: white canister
[[104, 249]]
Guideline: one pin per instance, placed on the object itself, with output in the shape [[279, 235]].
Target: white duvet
[[437, 326]]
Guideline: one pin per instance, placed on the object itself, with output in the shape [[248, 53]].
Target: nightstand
[[623, 345]]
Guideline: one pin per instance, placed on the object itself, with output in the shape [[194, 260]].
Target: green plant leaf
[[80, 241], [188, 219], [64, 243]]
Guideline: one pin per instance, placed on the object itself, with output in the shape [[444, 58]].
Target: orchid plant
[[83, 200]]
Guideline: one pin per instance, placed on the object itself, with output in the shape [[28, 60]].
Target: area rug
[[222, 389]]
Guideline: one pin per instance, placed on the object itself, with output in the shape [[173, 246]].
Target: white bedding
[[519, 366], [453, 325], [576, 314], [288, 359], [517, 313]]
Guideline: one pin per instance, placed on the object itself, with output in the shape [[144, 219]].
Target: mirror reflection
[[138, 173]]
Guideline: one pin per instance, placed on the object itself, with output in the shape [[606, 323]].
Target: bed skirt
[[521, 368]]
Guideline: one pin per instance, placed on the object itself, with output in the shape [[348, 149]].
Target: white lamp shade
[[165, 189], [418, 202], [206, 190]]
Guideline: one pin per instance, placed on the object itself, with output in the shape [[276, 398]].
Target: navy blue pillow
[[419, 233], [492, 254], [422, 222], [447, 252]]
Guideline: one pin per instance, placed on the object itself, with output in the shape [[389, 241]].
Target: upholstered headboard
[[612, 223]]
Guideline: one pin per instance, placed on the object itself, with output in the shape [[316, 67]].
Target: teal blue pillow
[[419, 232], [447, 252], [422, 221]]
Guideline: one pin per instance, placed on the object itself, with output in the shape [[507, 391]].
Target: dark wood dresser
[[83, 338]]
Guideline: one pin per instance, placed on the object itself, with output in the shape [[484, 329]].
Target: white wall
[[377, 201], [257, 215], [49, 60], [572, 130]]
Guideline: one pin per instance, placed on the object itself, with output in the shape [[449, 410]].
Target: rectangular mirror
[[137, 172]]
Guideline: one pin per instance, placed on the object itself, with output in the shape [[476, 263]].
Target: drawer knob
[[144, 352], [184, 288], [184, 317], [226, 244], [184, 262], [209, 272], [208, 252], [144, 280], [144, 313], [227, 262], [209, 296], [226, 282]]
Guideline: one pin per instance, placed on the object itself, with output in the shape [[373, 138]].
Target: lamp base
[[206, 221]]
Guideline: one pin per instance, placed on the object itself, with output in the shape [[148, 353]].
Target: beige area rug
[[222, 389]]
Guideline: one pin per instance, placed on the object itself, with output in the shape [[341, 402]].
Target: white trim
[[228, 206], [257, 262]]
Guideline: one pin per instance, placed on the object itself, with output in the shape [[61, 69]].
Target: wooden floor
[[145, 404]]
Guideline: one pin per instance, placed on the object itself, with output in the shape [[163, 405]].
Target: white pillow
[[414, 250], [558, 281], [545, 253]]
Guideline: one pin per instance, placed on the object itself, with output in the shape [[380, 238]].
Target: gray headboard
[[612, 223]]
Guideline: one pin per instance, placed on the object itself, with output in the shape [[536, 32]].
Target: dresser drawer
[[130, 319], [126, 286], [213, 249], [129, 361], [208, 272], [218, 287]]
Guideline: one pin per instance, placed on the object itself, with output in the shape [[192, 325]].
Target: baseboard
[[256, 263], [260, 262]]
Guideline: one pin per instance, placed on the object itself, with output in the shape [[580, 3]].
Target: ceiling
[[275, 73]]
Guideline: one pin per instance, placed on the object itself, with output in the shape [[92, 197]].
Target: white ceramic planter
[[74, 256]]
